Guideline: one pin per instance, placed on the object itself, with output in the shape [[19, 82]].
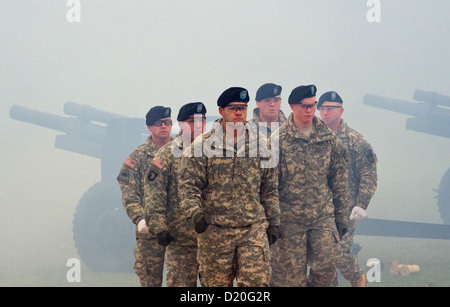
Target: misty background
[[127, 56]]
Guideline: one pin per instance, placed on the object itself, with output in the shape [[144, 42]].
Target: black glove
[[273, 234], [164, 238], [342, 229], [198, 220]]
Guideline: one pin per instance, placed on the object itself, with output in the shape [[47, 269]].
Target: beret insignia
[[243, 94]]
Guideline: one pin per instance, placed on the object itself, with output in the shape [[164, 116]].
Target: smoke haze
[[127, 56]]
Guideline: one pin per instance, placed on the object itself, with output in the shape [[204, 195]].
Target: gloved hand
[[273, 234], [358, 213], [342, 229], [142, 226], [198, 220], [164, 238]]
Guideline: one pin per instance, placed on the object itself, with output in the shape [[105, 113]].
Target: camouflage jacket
[[162, 204], [362, 166], [313, 182], [227, 184], [131, 179], [256, 120]]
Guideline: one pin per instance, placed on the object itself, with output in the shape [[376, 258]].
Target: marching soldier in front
[[231, 199]]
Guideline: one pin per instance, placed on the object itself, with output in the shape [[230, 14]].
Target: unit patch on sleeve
[[152, 175]]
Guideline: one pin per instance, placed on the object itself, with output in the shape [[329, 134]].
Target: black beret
[[156, 113], [191, 109], [233, 94], [301, 92], [268, 90], [329, 96]]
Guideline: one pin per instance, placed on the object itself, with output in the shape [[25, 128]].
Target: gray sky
[[126, 56]]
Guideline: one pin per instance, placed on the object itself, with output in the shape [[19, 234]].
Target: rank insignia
[[345, 156]]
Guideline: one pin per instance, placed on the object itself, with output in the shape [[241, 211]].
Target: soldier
[[268, 104], [362, 176], [231, 199], [149, 255], [313, 192], [267, 112], [163, 214]]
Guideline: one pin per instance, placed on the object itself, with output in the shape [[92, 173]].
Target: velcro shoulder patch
[[130, 163], [187, 152], [158, 163]]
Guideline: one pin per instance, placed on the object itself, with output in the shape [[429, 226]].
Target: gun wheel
[[103, 233]]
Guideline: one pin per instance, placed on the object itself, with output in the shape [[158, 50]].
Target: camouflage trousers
[[181, 266], [300, 247], [228, 253], [348, 262], [149, 261]]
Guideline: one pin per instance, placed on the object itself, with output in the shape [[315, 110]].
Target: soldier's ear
[[221, 111]]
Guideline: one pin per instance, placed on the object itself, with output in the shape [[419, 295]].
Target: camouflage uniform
[[149, 255], [313, 190], [362, 176], [163, 212], [268, 132], [239, 200]]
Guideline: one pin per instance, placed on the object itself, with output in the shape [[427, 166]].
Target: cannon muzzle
[[69, 125], [47, 120]]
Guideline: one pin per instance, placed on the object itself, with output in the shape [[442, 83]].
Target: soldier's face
[[162, 131], [269, 108], [194, 125], [235, 112], [304, 112], [331, 112]]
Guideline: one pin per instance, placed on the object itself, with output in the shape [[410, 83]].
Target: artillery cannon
[[103, 233], [431, 115]]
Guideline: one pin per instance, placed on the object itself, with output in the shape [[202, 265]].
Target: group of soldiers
[[227, 214]]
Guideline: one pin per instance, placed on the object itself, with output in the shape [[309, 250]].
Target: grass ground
[[432, 256], [42, 270]]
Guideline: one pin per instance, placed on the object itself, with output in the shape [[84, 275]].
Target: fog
[[127, 56]]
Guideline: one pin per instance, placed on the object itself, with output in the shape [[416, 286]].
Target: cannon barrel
[[432, 97], [51, 121], [71, 126], [89, 113], [417, 109]]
